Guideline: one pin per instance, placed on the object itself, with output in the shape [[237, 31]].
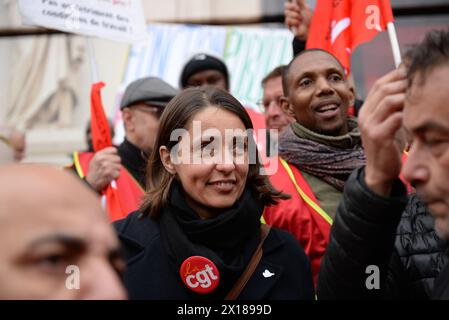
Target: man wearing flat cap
[[141, 106]]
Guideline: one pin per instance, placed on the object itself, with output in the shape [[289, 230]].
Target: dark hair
[[286, 74], [276, 72], [431, 52], [176, 115], [201, 62]]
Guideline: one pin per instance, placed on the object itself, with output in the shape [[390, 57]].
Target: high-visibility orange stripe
[[262, 219], [76, 162], [304, 196]]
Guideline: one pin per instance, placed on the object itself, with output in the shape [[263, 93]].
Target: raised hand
[[380, 120], [297, 18]]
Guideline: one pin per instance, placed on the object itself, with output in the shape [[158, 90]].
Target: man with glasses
[[270, 104], [141, 106]]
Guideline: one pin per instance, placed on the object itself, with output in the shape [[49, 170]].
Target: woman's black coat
[[150, 274]]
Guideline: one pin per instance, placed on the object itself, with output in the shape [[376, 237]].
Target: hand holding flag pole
[[101, 136], [293, 29], [297, 17]]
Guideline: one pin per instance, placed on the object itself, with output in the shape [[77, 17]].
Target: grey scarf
[[331, 159]]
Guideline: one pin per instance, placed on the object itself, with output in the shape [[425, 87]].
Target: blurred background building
[[45, 79]]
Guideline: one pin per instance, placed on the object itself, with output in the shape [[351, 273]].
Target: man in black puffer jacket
[[418, 257], [420, 251], [360, 261], [412, 267]]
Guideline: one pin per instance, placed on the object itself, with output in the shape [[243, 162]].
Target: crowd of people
[[359, 186]]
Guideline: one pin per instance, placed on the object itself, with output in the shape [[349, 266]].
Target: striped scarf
[[320, 156]]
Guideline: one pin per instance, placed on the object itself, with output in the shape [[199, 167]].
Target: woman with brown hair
[[198, 234]]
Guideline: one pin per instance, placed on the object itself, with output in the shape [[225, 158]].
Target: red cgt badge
[[199, 274]]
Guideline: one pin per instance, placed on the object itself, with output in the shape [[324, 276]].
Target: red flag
[[101, 135], [338, 26], [101, 138]]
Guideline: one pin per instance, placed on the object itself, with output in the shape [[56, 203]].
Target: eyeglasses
[[150, 110], [265, 104]]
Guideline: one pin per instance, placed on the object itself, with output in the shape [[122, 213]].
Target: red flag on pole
[[101, 135], [101, 138], [338, 26]]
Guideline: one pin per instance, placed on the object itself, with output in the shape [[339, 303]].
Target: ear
[[164, 154], [128, 119], [287, 107], [352, 97]]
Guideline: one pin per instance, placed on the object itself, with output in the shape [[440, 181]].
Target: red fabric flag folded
[[338, 26], [101, 138], [101, 135]]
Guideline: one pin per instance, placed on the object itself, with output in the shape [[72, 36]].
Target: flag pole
[[95, 79], [394, 43], [92, 62]]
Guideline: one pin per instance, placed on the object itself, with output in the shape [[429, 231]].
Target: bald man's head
[[317, 93], [43, 186], [287, 74], [55, 240]]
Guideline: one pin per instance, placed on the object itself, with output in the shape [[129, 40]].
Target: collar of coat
[[139, 233]]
